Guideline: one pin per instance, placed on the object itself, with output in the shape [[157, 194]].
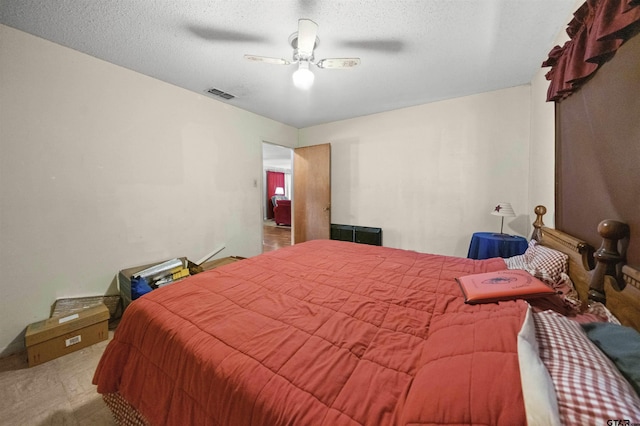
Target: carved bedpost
[[607, 258], [538, 224]]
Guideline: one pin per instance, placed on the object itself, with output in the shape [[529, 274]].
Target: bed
[[336, 333]]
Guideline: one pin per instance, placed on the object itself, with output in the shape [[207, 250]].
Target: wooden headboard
[[598, 275]]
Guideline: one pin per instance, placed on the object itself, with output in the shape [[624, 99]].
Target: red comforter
[[320, 333]]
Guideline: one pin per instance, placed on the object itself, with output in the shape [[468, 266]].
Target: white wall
[[102, 168], [542, 150], [430, 175]]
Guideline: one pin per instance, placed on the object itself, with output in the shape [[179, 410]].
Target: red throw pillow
[[502, 285]]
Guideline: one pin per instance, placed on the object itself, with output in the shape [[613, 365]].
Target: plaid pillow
[[544, 263], [589, 387]]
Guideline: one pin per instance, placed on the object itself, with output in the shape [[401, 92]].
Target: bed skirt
[[124, 413]]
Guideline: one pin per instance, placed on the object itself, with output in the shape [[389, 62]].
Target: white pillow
[[540, 402]]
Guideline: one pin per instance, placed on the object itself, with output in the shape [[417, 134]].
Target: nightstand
[[485, 245]]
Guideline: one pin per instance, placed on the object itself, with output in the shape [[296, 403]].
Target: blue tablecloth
[[485, 245]]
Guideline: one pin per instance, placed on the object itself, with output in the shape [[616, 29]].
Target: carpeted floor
[[58, 392]]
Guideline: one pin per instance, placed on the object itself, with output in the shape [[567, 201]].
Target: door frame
[[263, 184]]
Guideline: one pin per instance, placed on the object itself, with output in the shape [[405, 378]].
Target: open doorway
[[277, 193]]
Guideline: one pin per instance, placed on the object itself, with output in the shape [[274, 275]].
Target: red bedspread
[[320, 333]]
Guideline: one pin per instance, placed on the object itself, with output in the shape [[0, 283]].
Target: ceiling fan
[[304, 41]]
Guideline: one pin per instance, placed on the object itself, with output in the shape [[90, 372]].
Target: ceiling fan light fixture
[[303, 77]]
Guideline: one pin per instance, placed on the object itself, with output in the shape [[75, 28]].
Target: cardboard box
[[60, 335], [212, 264], [68, 306], [125, 275]]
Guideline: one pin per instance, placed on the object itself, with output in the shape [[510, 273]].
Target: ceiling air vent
[[220, 94]]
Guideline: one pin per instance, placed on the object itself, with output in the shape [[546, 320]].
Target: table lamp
[[503, 209], [279, 190]]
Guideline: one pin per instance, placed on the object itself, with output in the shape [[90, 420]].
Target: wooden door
[[311, 193]]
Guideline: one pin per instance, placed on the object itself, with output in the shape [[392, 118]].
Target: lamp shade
[[503, 209], [279, 190]]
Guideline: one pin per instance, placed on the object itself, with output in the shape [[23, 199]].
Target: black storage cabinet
[[357, 234]]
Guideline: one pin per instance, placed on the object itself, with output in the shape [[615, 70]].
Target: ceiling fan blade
[[338, 63], [268, 60], [226, 36], [307, 31], [388, 45]]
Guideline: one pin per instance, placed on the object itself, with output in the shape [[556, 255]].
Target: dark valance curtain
[[597, 152], [598, 29]]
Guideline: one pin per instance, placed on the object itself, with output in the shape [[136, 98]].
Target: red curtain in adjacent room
[[274, 180]]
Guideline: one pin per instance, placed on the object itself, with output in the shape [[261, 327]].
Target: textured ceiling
[[412, 51]]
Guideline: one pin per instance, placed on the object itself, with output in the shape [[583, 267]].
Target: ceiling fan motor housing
[[293, 41]]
